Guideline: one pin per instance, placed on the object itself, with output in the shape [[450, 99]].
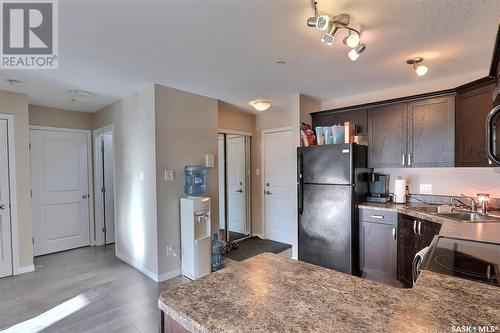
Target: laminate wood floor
[[81, 290]]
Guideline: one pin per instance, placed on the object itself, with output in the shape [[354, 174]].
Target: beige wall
[[186, 130], [44, 116], [234, 118], [136, 220], [17, 105], [449, 181]]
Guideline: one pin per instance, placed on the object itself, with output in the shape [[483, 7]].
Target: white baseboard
[[137, 266], [169, 275], [24, 269], [261, 236]]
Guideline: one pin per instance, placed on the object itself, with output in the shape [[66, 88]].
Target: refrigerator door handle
[[300, 184]]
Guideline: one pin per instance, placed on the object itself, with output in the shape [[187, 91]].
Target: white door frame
[[99, 223], [89, 169], [14, 226], [263, 181], [248, 175]]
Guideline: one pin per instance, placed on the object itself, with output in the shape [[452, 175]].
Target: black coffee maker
[[379, 188]]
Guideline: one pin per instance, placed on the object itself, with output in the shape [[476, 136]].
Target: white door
[[59, 176], [222, 185], [5, 239], [236, 184], [278, 186], [109, 187]]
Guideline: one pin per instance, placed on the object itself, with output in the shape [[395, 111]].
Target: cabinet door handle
[[377, 216], [420, 228], [394, 233], [409, 159], [414, 226], [403, 161]]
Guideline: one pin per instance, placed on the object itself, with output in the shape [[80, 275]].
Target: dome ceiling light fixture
[[260, 104], [421, 70], [330, 25], [77, 95]]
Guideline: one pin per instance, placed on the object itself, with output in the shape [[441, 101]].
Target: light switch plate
[[169, 175], [425, 188], [210, 161]]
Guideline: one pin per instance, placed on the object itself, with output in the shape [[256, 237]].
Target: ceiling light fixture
[[354, 53], [77, 95], [260, 104], [332, 24], [16, 83], [421, 70]]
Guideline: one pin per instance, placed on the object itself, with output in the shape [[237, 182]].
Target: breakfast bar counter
[[271, 293]]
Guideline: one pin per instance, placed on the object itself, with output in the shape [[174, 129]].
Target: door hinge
[[31, 193], [104, 229], [103, 189], [29, 146], [32, 240]]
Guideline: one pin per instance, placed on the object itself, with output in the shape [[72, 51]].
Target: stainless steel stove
[[466, 259]]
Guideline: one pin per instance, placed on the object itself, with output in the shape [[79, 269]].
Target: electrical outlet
[[425, 188]]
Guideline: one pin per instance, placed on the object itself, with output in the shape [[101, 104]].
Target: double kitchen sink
[[459, 215]]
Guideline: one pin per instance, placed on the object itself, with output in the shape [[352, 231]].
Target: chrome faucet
[[460, 204]]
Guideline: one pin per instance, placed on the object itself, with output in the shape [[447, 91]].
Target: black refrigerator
[[331, 180]]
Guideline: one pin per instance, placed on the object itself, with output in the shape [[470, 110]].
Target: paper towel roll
[[400, 191]]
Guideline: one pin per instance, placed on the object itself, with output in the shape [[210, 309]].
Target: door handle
[[85, 196], [2, 207], [420, 228], [409, 159], [268, 192], [239, 191], [394, 233], [415, 226]]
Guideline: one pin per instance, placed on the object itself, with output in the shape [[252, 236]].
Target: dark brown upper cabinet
[[472, 107], [415, 134], [387, 136], [430, 133], [357, 116]]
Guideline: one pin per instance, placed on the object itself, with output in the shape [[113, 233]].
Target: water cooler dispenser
[[195, 237]]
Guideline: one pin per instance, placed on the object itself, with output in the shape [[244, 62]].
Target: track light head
[[352, 40], [323, 22], [354, 53], [330, 36]]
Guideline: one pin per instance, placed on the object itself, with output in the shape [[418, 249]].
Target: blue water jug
[[195, 180]]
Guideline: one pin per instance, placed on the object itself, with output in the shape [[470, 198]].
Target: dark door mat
[[253, 246]]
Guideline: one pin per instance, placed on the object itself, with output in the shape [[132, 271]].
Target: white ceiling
[[227, 49]]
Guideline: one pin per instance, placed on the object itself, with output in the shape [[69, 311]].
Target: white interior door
[[222, 184], [59, 176], [5, 234], [109, 187], [236, 184], [278, 186]]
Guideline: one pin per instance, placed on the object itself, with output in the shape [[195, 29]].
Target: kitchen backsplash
[[446, 199]]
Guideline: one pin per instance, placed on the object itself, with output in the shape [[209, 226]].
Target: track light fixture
[[421, 70], [331, 25]]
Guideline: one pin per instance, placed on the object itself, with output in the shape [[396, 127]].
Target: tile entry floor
[[81, 290]]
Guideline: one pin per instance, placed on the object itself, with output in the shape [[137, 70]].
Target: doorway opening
[[104, 182], [234, 186]]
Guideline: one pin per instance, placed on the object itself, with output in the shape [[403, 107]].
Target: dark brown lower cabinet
[[413, 235], [168, 325], [378, 251]]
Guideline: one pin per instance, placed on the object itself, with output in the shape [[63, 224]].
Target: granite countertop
[[271, 293], [486, 232]]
